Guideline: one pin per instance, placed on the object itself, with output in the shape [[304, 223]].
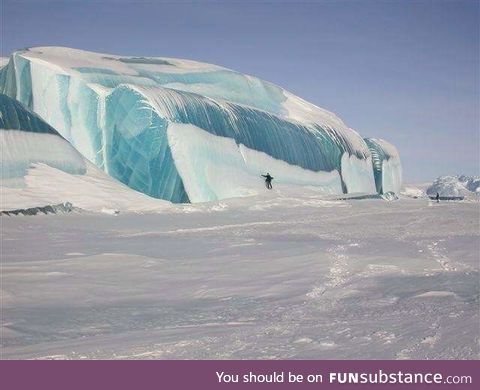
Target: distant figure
[[268, 180], [438, 197]]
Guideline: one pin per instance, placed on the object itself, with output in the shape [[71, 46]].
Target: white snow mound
[[453, 186]]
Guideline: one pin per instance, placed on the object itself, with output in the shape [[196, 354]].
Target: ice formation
[[387, 168], [188, 131], [26, 139], [471, 183], [455, 186], [40, 168]]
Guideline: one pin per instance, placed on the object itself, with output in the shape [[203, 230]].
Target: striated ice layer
[[137, 118], [216, 167], [15, 116], [26, 139], [357, 174], [119, 112], [387, 168], [40, 168]]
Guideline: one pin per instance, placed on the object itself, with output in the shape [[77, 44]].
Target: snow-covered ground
[[94, 191], [282, 275]]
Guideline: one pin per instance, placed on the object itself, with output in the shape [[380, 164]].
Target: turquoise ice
[[25, 139], [387, 168], [125, 114]]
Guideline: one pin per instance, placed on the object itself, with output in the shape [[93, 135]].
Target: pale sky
[[406, 71]]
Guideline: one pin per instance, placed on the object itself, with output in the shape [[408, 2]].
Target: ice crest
[[120, 113]]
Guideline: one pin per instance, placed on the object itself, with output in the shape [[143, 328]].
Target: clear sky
[[406, 71]]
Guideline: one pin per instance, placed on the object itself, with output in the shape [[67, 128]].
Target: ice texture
[[471, 183], [118, 111], [455, 186], [387, 168], [25, 139], [20, 149], [214, 167], [40, 168]]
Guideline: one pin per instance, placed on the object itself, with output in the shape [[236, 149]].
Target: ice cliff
[[187, 131]]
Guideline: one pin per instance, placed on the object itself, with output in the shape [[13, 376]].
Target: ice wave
[[116, 110]]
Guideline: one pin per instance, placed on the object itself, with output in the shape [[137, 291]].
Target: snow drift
[[119, 111]]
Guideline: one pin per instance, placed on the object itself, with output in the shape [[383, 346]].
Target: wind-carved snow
[[115, 110]]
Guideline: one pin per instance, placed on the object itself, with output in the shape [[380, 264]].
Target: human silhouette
[[438, 197], [268, 180]]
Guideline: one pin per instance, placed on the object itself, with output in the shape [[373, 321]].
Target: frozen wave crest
[[116, 110]]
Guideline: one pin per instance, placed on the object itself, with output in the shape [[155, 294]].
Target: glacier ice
[[125, 115], [40, 169], [387, 168], [455, 186], [25, 139], [216, 167]]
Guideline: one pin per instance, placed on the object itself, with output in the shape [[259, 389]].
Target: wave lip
[[117, 112]]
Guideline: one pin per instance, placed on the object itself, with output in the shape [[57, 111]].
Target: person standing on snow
[[438, 197], [268, 180]]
